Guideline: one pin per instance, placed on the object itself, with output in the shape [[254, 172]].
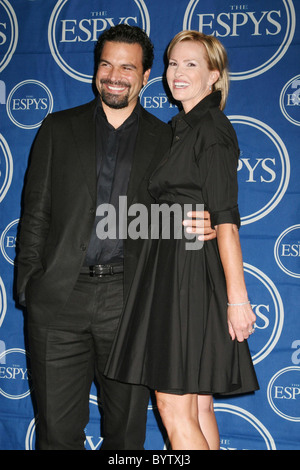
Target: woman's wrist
[[237, 304]]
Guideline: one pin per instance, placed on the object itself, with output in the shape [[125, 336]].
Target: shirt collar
[[192, 117]]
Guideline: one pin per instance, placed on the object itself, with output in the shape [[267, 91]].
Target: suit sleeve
[[35, 220]]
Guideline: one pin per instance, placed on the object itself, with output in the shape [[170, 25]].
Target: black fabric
[[60, 201], [174, 334], [114, 153], [65, 355]]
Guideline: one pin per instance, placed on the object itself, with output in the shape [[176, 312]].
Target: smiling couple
[[136, 314]]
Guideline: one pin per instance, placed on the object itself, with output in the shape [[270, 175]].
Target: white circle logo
[[157, 101], [9, 33], [28, 104], [3, 302], [289, 100], [8, 241], [260, 166], [287, 251], [249, 27], [240, 417], [14, 374], [81, 23], [30, 435], [268, 308], [6, 172], [284, 393]]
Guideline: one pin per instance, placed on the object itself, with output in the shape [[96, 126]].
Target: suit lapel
[[83, 126]]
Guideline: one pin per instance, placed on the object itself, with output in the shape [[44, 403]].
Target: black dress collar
[[192, 117]]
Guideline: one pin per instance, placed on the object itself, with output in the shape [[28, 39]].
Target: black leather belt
[[100, 270]]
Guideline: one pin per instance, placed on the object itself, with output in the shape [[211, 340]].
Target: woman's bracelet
[[242, 303]]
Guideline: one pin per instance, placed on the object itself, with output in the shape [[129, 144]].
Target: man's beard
[[112, 100]]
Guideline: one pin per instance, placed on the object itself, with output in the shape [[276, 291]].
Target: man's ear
[[146, 77]]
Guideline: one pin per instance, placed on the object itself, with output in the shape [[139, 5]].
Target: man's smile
[[115, 87]]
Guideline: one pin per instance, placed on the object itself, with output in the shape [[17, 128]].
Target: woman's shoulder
[[216, 128]]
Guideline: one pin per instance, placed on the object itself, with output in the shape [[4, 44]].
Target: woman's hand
[[241, 321], [200, 224]]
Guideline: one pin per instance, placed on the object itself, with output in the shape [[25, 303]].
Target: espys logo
[[8, 241], [9, 33], [263, 169], [238, 418], [243, 28], [14, 374], [287, 251], [6, 167], [28, 104], [290, 100], [156, 101], [75, 26], [267, 305], [284, 393]]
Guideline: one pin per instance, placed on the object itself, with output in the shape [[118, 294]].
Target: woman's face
[[188, 76]]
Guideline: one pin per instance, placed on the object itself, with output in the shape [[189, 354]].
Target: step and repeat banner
[[46, 65]]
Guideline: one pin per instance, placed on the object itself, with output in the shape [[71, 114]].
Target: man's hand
[[200, 224]]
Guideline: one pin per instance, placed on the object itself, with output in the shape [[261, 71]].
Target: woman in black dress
[[187, 318]]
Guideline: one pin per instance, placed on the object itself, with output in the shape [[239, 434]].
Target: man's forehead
[[124, 46]]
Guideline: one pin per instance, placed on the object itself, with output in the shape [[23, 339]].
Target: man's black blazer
[[60, 204]]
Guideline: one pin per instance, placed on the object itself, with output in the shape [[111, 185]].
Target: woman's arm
[[240, 317]]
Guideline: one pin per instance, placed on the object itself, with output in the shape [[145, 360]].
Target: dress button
[[82, 247], [177, 137]]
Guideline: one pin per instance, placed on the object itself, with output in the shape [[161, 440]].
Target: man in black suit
[[75, 283]]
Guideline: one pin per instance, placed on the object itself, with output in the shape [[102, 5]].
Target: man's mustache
[[105, 81]]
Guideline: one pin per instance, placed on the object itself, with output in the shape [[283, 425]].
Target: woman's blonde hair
[[216, 58]]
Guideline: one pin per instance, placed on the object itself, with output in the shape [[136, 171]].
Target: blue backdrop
[[46, 64]]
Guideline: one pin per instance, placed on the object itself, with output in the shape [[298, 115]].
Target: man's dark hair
[[129, 35]]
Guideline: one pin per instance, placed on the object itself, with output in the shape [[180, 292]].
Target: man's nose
[[115, 74]]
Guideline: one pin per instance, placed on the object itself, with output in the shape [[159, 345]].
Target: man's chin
[[115, 102], [116, 105]]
